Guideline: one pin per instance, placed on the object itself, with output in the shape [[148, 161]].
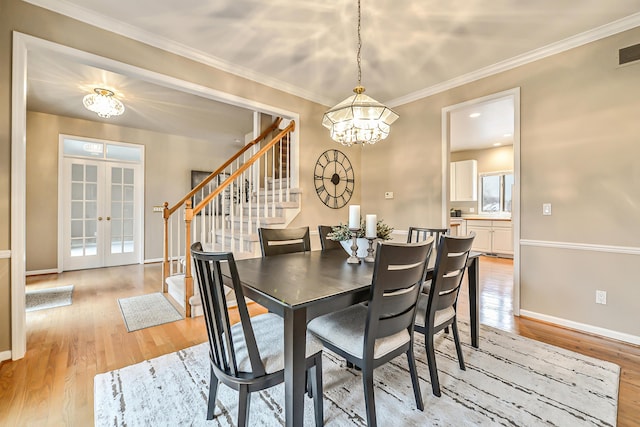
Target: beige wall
[[169, 160], [579, 151], [26, 18], [498, 159]]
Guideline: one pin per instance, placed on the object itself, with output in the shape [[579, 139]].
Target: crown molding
[[581, 39], [90, 17], [97, 20]]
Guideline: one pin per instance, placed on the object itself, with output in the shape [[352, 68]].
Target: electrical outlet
[[158, 208], [601, 297], [388, 195], [546, 209], [472, 210]]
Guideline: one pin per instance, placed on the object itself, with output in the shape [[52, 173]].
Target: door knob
[[99, 218], [108, 218]]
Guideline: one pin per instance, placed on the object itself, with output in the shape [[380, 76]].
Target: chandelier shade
[[359, 119], [103, 103]]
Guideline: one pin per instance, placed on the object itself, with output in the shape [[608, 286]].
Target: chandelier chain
[[359, 48]]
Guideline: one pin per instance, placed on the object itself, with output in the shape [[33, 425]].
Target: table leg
[[473, 278], [295, 337]]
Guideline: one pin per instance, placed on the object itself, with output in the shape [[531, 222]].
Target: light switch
[[546, 209], [388, 195]]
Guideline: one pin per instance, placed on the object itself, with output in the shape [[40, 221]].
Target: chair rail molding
[[5, 254], [628, 250]]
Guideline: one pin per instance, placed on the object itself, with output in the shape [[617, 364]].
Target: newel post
[[165, 252], [188, 278]]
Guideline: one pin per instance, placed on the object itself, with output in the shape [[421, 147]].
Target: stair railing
[[231, 204]]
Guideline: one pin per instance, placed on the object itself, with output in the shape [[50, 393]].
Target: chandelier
[[103, 103], [359, 119]]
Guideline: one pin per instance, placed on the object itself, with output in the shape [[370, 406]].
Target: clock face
[[333, 178]]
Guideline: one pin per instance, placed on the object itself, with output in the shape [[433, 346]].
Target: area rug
[[509, 381], [148, 310], [48, 298]]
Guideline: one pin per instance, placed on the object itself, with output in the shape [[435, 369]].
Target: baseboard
[[152, 260], [583, 327], [5, 355], [39, 272]]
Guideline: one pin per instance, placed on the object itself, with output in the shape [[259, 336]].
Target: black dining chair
[[417, 234], [437, 310], [325, 243], [371, 335], [247, 356], [278, 241]]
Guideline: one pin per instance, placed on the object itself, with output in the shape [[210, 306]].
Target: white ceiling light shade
[[359, 119], [103, 103]]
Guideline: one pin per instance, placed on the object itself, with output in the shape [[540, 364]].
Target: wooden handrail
[[242, 168], [190, 194]]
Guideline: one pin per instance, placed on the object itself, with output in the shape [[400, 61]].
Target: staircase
[[245, 193]]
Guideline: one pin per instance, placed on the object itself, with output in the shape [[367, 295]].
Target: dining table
[[304, 285]]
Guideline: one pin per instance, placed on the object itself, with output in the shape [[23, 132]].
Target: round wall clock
[[333, 178]]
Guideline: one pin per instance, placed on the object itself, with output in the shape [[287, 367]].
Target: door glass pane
[[123, 152], [491, 193], [128, 210], [128, 246], [128, 193], [116, 227], [91, 210], [92, 173], [91, 247], [128, 176], [116, 210], [90, 228], [77, 172], [77, 191], [77, 210], [91, 192], [116, 175], [73, 147], [77, 246], [128, 227], [77, 229]]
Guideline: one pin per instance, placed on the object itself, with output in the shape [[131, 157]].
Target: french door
[[101, 213]]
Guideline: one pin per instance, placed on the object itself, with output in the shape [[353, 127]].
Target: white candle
[[354, 216], [372, 229]]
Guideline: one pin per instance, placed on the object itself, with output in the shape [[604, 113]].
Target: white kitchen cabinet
[[464, 181], [458, 227], [492, 236]]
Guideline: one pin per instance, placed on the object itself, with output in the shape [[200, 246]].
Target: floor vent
[[629, 54]]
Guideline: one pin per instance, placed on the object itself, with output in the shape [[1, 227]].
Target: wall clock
[[334, 178]]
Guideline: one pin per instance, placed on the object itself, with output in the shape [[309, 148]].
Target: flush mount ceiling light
[[359, 119], [103, 103]]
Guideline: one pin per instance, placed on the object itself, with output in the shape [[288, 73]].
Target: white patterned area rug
[[48, 298], [509, 381], [148, 310]]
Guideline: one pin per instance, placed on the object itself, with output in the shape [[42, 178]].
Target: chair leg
[[369, 399], [414, 379], [456, 339], [431, 360], [243, 406], [213, 392], [316, 385]]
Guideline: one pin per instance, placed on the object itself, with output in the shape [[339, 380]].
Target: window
[[496, 192]]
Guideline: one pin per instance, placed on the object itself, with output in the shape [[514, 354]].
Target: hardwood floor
[[68, 346]]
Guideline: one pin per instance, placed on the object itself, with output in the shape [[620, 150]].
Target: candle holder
[[370, 257], [353, 259]]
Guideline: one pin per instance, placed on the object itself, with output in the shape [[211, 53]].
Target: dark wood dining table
[[302, 286]]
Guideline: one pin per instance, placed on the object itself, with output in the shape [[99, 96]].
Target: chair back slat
[[399, 272], [327, 244], [278, 241], [209, 270], [451, 262]]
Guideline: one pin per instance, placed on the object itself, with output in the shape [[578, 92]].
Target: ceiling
[[308, 48]]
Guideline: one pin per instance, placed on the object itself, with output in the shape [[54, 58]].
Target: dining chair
[[417, 234], [437, 309], [247, 356], [278, 241], [371, 335], [325, 243]]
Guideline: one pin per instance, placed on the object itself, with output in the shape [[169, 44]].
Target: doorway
[[101, 207], [514, 96]]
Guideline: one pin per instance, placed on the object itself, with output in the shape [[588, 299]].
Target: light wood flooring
[[67, 346]]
